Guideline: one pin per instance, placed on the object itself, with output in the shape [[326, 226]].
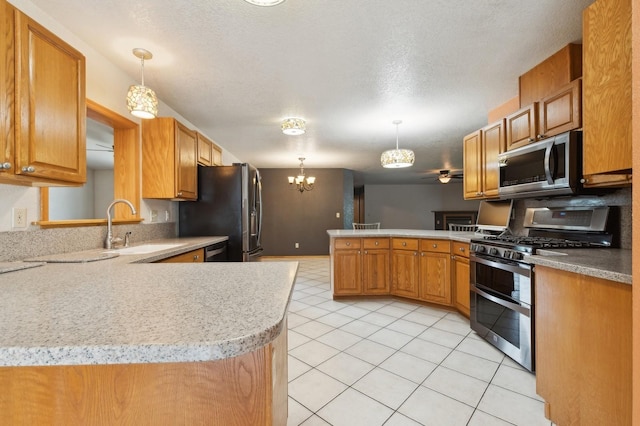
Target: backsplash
[[18, 245], [619, 200]]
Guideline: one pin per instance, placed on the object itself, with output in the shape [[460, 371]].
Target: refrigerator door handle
[[259, 191]]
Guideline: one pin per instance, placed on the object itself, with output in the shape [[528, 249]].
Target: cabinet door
[[493, 143], [435, 277], [347, 272], [404, 273], [375, 271], [186, 163], [7, 113], [472, 159], [216, 155], [205, 150], [50, 105], [561, 111], [606, 84], [522, 127], [460, 279]]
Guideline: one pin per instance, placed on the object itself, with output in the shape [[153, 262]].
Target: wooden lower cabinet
[[405, 267], [430, 270], [361, 266], [583, 348], [194, 256], [435, 272], [249, 389], [460, 277], [375, 266]]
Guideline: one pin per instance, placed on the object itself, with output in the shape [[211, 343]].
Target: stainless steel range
[[502, 280]]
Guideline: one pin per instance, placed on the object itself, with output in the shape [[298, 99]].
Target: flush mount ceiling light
[[303, 183], [293, 126], [397, 158], [141, 100], [264, 2]]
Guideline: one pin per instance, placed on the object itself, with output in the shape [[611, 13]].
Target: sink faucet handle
[[127, 237]]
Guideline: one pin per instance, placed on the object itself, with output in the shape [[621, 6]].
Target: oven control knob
[[480, 249], [517, 256], [507, 254], [494, 251]]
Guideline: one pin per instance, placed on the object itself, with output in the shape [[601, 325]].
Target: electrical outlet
[[19, 217], [154, 215], [297, 245], [166, 216]]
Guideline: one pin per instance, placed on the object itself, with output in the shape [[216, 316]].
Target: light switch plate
[[154, 215]]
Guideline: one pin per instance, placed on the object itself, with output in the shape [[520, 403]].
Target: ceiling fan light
[[397, 158], [444, 179]]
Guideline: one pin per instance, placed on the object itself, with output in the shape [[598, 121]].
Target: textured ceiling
[[349, 67]]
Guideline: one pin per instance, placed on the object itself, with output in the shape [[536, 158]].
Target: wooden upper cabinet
[[493, 143], [472, 157], [561, 111], [481, 170], [169, 160], [216, 155], [205, 150], [606, 88], [522, 126], [551, 74], [45, 144]]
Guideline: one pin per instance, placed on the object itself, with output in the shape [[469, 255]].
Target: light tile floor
[[392, 362]]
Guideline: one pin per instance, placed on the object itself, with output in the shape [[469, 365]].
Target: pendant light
[[141, 100], [397, 158]]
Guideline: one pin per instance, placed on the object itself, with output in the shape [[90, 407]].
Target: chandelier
[[397, 158], [141, 100], [293, 126], [303, 183]]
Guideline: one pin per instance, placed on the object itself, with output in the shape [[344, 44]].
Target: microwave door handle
[[547, 161]]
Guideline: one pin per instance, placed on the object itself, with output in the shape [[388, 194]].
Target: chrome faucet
[[110, 241]]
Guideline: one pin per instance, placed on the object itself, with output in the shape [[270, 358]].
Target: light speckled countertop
[[464, 237], [608, 263], [126, 310]]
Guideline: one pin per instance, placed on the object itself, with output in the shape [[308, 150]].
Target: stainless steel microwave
[[549, 167]]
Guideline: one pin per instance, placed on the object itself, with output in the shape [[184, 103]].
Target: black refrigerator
[[229, 203]]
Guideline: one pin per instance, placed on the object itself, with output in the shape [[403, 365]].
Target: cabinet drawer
[[346, 243], [405, 243], [438, 246], [459, 249], [375, 243]]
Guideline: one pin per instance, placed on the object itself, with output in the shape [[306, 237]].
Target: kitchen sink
[[145, 248]]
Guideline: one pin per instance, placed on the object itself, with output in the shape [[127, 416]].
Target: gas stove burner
[[541, 242]]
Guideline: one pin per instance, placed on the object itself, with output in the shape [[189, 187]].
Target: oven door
[[501, 306]]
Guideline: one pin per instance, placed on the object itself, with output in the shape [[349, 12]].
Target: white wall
[[106, 85], [412, 206]]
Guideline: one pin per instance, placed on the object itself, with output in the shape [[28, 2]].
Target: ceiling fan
[[445, 176], [105, 148]]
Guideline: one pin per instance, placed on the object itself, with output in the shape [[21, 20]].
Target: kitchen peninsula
[[122, 340]]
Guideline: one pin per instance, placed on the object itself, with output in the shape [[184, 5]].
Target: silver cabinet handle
[[348, 244], [404, 244], [415, 253], [435, 246], [462, 249], [377, 243], [179, 194], [28, 169], [5, 166], [422, 254], [366, 252]]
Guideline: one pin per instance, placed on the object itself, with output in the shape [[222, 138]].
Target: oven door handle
[[517, 268], [513, 306]]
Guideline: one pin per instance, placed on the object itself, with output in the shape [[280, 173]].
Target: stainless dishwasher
[[216, 252]]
